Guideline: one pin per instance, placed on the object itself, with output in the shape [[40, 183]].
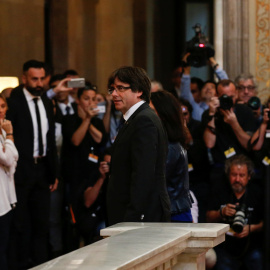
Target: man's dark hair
[[136, 77], [170, 114], [48, 69], [186, 103], [224, 83], [70, 72], [32, 64], [56, 77], [239, 160], [209, 81], [198, 81], [88, 86]]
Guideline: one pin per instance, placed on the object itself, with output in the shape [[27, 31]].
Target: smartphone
[[76, 83], [102, 108]]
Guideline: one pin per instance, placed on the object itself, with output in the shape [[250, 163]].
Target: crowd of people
[[75, 160]]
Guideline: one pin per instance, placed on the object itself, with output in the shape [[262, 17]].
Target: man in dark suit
[[31, 114], [137, 186]]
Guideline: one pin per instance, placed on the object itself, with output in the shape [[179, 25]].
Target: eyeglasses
[[249, 87], [118, 88]]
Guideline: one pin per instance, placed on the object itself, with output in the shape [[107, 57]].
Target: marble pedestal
[[145, 246]]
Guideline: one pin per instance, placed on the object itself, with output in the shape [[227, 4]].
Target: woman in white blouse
[[8, 162]]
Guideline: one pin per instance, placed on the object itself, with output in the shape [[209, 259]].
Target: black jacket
[[137, 186], [21, 119], [178, 179]]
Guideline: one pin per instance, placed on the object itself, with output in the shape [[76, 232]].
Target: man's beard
[[36, 91], [238, 188]]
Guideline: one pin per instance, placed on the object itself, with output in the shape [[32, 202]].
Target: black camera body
[[199, 48], [226, 102], [239, 218]]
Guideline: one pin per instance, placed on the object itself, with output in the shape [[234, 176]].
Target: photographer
[[239, 203], [90, 204], [206, 91], [228, 127]]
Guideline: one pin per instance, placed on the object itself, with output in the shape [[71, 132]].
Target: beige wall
[[21, 32], [95, 37], [114, 38], [92, 37]]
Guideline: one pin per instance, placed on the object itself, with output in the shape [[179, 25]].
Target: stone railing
[[145, 246]]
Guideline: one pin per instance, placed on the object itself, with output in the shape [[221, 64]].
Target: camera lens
[[239, 220]]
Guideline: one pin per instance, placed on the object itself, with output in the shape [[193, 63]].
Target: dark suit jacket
[[137, 186], [20, 116]]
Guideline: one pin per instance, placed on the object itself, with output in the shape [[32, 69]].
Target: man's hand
[[186, 68], [213, 105], [229, 116], [265, 115], [244, 233], [54, 186], [61, 87], [229, 210], [104, 168]]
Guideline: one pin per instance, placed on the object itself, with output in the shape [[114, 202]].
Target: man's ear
[[23, 78], [139, 94]]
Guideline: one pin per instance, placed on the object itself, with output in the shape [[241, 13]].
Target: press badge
[[190, 167], [93, 158], [230, 152], [266, 161]]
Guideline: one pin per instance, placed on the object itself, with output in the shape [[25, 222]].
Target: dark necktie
[[67, 110], [121, 123], [40, 143]]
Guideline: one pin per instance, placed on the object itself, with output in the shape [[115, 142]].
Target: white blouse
[[8, 162]]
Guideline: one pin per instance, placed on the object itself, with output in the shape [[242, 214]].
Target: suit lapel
[[125, 126], [27, 115]]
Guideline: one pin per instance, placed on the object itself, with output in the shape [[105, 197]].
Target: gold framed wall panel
[[262, 48]]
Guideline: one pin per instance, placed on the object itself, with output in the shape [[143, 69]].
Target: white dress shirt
[[133, 109], [63, 107], [43, 120]]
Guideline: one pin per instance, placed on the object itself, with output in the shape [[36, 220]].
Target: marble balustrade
[[145, 246]]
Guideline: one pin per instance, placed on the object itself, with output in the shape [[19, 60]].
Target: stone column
[[218, 31], [236, 37]]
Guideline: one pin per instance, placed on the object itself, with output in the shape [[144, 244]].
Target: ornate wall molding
[[262, 48]]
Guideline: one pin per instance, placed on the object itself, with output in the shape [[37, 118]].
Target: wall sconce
[[8, 81]]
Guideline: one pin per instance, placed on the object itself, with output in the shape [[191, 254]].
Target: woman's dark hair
[[3, 97], [170, 114], [184, 102], [88, 86], [136, 77]]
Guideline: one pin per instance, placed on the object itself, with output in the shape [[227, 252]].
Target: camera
[[199, 48], [76, 83], [226, 102], [254, 103], [239, 218]]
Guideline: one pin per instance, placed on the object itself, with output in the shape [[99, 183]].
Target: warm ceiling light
[[6, 82]]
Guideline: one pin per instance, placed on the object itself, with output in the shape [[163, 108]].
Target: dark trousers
[[5, 222], [29, 235]]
